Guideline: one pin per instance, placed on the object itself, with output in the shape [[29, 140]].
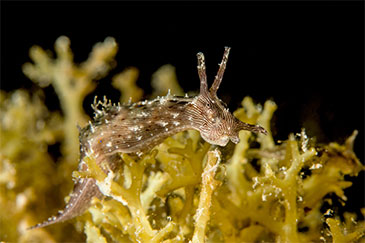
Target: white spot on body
[[142, 114], [175, 114], [176, 123], [162, 123], [163, 100], [133, 128], [145, 114]]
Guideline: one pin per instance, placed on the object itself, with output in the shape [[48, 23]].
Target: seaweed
[[184, 189]]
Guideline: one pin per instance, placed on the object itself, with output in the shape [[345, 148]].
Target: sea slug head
[[210, 115]]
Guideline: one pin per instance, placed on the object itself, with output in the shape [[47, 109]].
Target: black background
[[306, 56]]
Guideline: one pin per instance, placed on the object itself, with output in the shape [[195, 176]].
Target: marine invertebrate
[[141, 126]]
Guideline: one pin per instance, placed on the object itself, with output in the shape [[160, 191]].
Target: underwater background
[[304, 59]]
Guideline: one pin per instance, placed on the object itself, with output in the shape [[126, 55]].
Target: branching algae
[[178, 187]]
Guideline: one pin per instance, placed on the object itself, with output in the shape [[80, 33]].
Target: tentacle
[[202, 73], [253, 128], [222, 67]]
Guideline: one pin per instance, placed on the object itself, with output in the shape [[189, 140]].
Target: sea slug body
[[138, 127]]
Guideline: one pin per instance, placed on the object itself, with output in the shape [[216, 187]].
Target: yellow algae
[[125, 82], [164, 80], [71, 82], [209, 184], [183, 189]]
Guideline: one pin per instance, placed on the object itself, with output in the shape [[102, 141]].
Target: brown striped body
[[141, 126]]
